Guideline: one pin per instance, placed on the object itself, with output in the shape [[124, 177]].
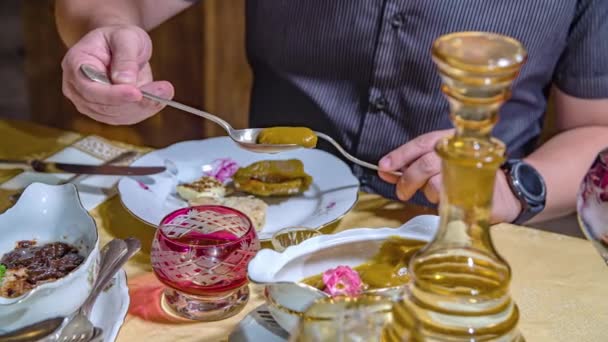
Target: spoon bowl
[[36, 331], [247, 139]]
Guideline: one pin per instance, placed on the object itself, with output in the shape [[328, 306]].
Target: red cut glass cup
[[201, 254]]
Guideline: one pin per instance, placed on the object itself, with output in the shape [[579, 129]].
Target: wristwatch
[[528, 186]]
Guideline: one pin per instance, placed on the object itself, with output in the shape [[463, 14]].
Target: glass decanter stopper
[[460, 284]]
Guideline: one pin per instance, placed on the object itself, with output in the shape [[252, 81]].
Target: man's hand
[[123, 52], [421, 168]]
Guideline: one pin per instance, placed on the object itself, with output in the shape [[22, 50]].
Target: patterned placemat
[[87, 150], [105, 150]]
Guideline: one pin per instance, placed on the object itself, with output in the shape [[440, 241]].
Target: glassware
[[592, 204], [201, 254], [291, 236], [361, 318], [460, 284]]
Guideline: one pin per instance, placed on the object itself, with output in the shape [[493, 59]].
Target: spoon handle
[[351, 157], [225, 125], [100, 77], [110, 254], [117, 253]]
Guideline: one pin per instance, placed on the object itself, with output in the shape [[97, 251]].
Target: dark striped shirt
[[361, 70]]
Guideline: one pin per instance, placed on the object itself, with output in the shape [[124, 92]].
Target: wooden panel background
[[201, 51]]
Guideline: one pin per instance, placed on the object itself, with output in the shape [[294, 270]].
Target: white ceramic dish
[[111, 308], [49, 213], [333, 192], [318, 254]]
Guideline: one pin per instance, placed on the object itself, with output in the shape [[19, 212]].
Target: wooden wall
[[201, 51]]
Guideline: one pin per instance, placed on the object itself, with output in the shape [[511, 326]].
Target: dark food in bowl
[[29, 265]]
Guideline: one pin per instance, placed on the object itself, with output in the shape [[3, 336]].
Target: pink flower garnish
[[342, 281], [223, 169]]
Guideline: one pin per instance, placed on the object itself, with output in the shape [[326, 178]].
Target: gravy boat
[[281, 273]]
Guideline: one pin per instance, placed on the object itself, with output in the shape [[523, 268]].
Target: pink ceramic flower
[[342, 281], [223, 169]]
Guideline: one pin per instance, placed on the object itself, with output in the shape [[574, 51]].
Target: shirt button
[[397, 20], [365, 180], [379, 104]]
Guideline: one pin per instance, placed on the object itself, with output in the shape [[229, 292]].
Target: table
[[560, 283]]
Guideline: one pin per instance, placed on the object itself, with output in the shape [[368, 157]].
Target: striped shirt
[[361, 70]]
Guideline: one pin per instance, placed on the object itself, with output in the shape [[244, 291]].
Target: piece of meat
[[273, 178]]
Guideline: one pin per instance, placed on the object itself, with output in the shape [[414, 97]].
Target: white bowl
[[49, 213], [352, 247]]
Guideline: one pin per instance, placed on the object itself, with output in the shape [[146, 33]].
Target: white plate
[[258, 325], [111, 308], [332, 194]]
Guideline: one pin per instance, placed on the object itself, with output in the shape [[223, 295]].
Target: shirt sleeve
[[582, 70]]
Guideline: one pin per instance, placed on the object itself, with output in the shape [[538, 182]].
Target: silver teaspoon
[[245, 138]]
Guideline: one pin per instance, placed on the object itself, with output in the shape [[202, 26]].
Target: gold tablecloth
[[560, 283]]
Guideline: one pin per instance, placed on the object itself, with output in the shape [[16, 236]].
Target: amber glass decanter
[[460, 285]]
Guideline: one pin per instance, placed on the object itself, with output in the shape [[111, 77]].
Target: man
[[360, 71]]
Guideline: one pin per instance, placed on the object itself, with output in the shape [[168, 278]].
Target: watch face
[[531, 182]]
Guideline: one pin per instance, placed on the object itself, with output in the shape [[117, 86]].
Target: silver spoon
[[245, 138], [113, 256], [34, 332]]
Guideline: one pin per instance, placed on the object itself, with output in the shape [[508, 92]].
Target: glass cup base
[[204, 308]]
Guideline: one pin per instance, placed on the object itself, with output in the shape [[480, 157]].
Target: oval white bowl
[[318, 254], [49, 213]]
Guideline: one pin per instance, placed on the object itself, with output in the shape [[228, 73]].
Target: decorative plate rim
[[121, 277]]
